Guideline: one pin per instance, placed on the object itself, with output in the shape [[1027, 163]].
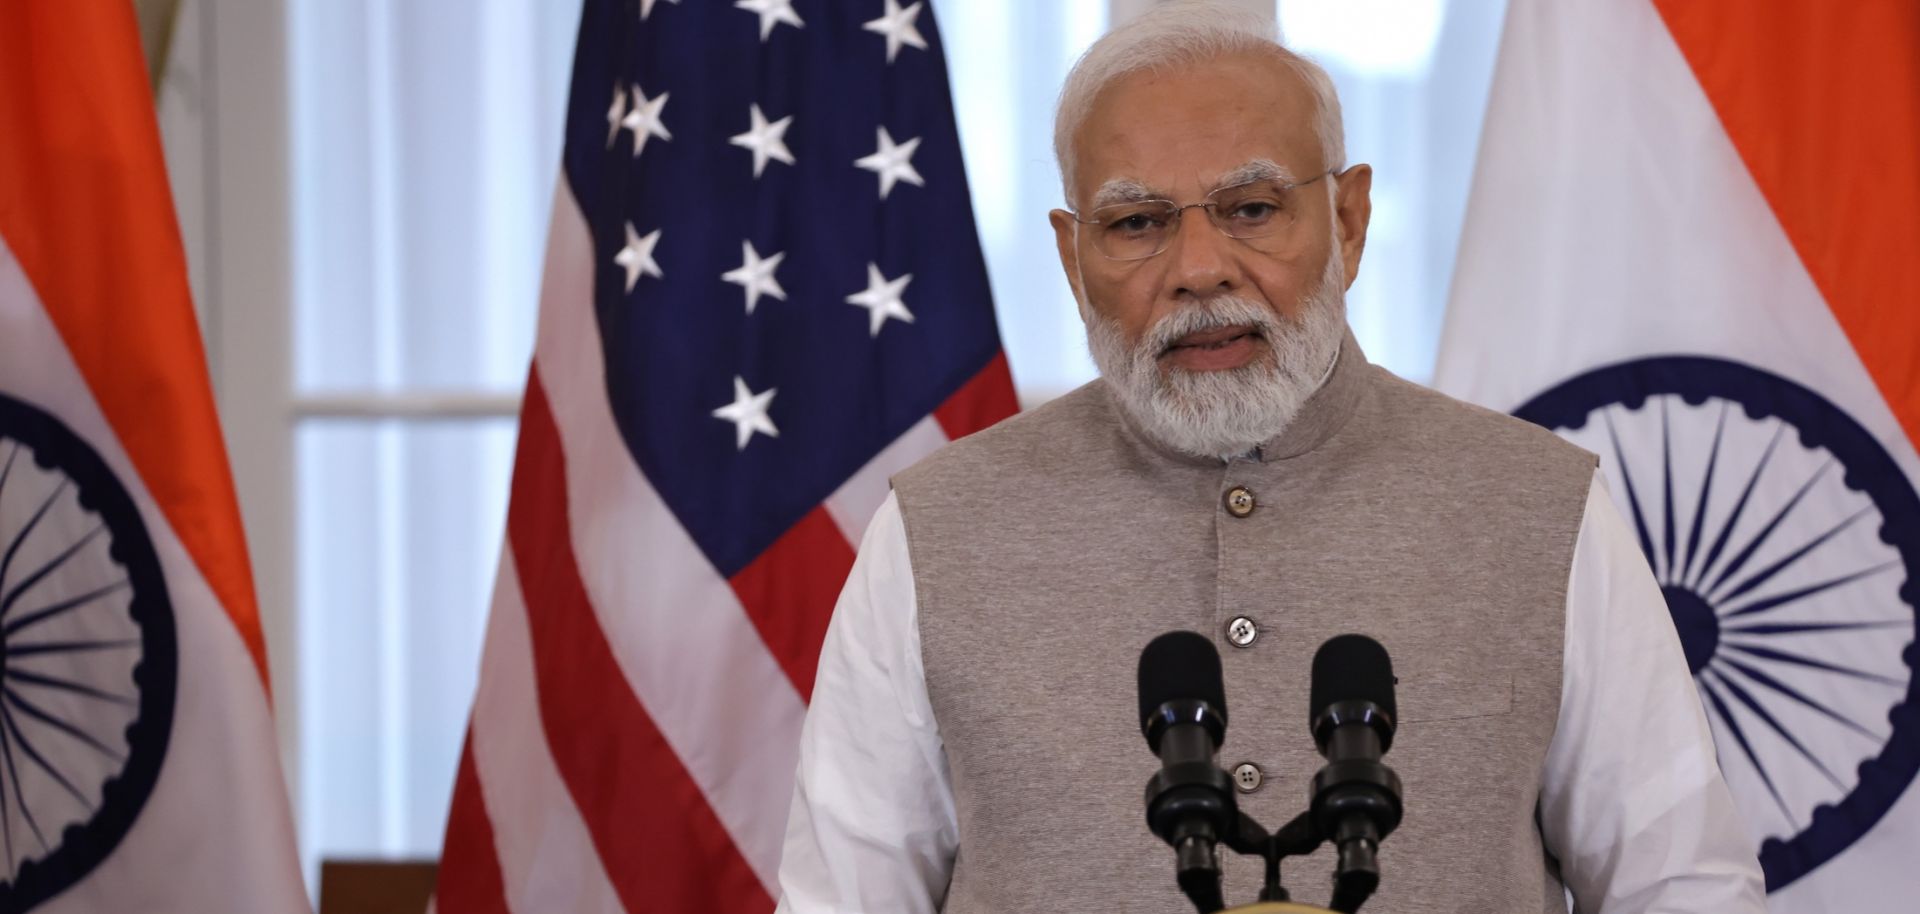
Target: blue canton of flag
[[789, 271]]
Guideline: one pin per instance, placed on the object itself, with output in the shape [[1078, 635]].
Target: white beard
[[1224, 413]]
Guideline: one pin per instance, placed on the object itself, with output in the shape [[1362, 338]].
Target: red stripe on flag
[[985, 399], [659, 842], [469, 880], [789, 591]]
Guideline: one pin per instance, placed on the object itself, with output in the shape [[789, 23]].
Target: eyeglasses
[[1262, 213]]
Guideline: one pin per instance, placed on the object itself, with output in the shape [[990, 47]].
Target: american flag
[[764, 294]]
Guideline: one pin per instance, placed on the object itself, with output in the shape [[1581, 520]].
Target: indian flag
[[1693, 247], [138, 769]]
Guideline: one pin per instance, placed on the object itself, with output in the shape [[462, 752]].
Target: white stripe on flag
[[547, 858], [853, 504], [683, 641], [1613, 219]]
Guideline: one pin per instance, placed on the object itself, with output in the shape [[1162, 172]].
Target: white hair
[[1178, 33]]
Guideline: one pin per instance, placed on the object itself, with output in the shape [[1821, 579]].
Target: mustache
[[1216, 313]]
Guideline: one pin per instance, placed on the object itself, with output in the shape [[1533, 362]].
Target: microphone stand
[[1298, 838]]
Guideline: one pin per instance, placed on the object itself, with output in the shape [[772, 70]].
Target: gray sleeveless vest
[[1048, 550]]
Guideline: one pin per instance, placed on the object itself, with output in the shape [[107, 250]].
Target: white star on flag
[[898, 26], [616, 113], [646, 6], [892, 163], [772, 13], [766, 140], [748, 413], [882, 299], [756, 275], [644, 119], [637, 256]]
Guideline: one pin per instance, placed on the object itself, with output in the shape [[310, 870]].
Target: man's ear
[[1352, 209], [1065, 238]]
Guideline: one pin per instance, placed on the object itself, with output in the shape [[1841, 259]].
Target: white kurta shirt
[[1632, 803]]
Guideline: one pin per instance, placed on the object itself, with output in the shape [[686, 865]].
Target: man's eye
[[1254, 211], [1133, 223]]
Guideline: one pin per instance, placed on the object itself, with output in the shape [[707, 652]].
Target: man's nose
[[1202, 265]]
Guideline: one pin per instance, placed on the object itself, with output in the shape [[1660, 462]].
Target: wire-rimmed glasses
[[1261, 212]]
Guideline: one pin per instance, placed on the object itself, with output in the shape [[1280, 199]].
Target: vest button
[[1240, 501], [1247, 777], [1241, 631]]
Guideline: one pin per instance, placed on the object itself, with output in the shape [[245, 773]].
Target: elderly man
[[1241, 470]]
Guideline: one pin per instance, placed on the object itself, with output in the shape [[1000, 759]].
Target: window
[[425, 147], [1413, 77]]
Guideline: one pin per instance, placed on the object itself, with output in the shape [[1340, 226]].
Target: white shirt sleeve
[[1632, 803], [872, 826]]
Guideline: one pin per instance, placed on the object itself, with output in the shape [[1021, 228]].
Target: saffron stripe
[[80, 149], [1822, 100], [659, 842], [789, 591], [469, 878], [986, 398]]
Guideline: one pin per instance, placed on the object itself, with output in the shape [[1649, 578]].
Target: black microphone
[[1356, 798], [1190, 802]]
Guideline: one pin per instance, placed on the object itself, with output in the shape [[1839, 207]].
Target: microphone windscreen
[[1351, 668], [1180, 666]]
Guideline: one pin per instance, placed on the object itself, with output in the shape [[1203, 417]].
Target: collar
[[1327, 410]]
